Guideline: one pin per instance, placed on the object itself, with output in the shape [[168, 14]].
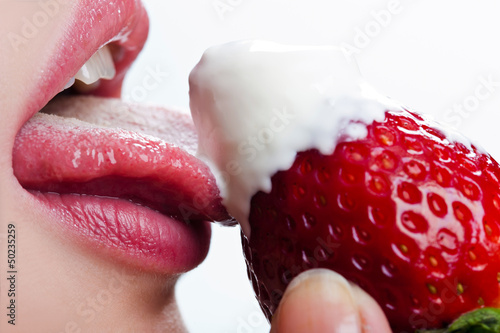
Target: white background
[[433, 56]]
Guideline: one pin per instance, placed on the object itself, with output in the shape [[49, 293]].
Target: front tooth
[[99, 66], [70, 83]]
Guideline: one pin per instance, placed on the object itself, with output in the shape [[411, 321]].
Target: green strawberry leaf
[[485, 320]]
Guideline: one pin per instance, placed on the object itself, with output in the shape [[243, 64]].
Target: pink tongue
[[118, 150]]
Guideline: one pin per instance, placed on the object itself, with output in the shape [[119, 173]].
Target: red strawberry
[[410, 216]]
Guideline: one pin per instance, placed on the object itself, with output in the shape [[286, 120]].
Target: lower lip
[[127, 233]]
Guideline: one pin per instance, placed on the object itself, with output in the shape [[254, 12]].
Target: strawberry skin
[[409, 216]]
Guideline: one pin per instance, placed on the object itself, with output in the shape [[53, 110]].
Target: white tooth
[[70, 83], [99, 66]]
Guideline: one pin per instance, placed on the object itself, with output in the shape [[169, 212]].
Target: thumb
[[321, 300]]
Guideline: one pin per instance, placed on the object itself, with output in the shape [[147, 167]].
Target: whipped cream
[[255, 104]]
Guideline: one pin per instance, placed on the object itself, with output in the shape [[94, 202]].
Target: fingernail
[[318, 300]]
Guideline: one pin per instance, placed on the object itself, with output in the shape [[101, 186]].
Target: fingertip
[[317, 300]]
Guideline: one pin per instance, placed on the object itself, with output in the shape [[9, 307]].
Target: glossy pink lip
[[128, 195], [95, 23]]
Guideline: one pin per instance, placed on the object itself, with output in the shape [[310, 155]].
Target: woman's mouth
[[120, 179]]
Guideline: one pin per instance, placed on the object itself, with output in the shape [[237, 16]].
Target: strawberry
[[409, 214]]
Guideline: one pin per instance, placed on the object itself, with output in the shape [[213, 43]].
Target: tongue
[[105, 147]]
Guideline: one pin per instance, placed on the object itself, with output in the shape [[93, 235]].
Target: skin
[[321, 300], [64, 288]]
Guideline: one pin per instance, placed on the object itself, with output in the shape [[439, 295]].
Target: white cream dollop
[[256, 104]]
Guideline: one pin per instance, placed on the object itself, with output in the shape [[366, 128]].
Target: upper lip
[[124, 24], [94, 24]]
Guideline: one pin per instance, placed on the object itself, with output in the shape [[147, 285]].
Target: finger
[[373, 319], [318, 300]]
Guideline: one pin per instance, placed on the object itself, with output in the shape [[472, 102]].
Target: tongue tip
[[215, 211]]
